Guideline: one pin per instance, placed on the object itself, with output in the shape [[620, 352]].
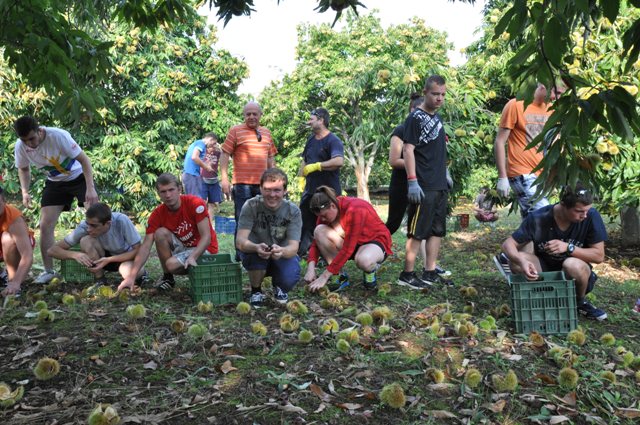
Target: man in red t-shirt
[[17, 246], [181, 229]]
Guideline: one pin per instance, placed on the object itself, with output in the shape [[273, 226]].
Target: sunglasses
[[317, 209], [258, 135]]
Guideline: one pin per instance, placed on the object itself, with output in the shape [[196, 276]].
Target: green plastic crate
[[217, 279], [547, 306], [72, 271]]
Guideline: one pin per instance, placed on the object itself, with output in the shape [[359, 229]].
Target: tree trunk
[[630, 224], [362, 177]]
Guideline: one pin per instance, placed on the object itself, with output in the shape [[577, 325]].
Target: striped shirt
[[249, 155]]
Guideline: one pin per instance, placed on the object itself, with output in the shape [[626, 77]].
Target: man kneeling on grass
[[269, 229], [567, 236], [108, 242], [181, 229]]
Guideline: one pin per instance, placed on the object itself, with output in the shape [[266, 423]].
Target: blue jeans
[[284, 272], [524, 188]]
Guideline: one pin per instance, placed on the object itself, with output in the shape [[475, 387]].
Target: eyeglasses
[[318, 209], [258, 135]]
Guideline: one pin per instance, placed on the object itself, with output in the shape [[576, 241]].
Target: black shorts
[[355, 251], [111, 267], [62, 193], [429, 218]]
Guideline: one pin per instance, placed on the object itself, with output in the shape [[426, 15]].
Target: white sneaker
[[45, 277]]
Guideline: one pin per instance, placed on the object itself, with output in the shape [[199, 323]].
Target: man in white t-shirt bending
[[69, 175]]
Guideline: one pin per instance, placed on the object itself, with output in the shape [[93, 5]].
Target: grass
[[151, 374]]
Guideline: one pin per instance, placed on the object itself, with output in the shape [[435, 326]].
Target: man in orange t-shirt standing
[[253, 150], [518, 127]]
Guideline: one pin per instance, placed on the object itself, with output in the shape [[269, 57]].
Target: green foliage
[[364, 74], [593, 47]]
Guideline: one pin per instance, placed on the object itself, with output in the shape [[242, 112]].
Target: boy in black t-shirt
[[567, 236]]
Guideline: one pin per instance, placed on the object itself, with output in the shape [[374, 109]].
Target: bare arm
[[499, 148], [395, 151], [138, 262], [332, 164], [203, 243], [271, 162], [589, 254], [409, 159], [20, 233], [224, 173], [24, 175], [196, 158], [91, 197]]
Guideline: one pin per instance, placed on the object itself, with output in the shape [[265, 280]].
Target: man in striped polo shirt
[[253, 151]]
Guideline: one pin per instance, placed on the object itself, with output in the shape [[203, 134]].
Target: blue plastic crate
[[225, 224]]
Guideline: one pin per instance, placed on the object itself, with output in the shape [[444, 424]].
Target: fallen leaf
[[227, 367], [319, 392], [558, 419], [320, 408], [569, 399], [60, 340], [628, 413], [150, 365], [496, 407], [545, 378], [290, 408], [349, 406], [98, 313], [28, 352], [440, 414]]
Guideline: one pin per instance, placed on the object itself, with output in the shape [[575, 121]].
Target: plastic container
[[217, 279], [225, 224], [72, 271], [547, 306]]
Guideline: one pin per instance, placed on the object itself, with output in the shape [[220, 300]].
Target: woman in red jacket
[[347, 228]]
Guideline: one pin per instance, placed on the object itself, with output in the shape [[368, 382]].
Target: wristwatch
[[570, 248]]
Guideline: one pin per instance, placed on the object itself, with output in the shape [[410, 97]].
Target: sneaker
[[591, 312], [411, 280], [256, 300], [432, 277], [341, 284], [369, 280], [165, 284], [281, 296], [144, 280], [442, 272], [45, 277], [502, 264]]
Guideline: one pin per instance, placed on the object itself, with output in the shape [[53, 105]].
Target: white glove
[[503, 187]]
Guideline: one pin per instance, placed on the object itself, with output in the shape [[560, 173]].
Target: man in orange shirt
[[253, 151], [17, 246], [518, 127]]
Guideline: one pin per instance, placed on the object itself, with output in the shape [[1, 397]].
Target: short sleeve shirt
[[183, 223], [121, 237], [540, 227], [525, 125], [271, 226], [322, 150], [249, 155], [10, 215], [190, 167], [426, 132], [55, 156]]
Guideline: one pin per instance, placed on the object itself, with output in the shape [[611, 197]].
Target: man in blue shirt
[[567, 236], [193, 161]]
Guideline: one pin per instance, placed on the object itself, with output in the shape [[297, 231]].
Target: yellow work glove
[[301, 183], [311, 168]]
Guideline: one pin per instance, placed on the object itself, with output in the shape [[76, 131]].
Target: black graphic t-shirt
[[426, 133]]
